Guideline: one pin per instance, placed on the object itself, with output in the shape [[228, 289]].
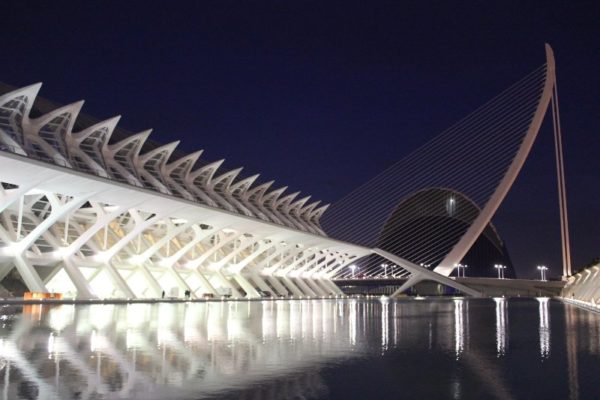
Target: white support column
[[280, 288], [153, 284], [175, 274], [225, 282], [331, 285], [206, 285], [292, 286], [262, 285], [108, 255], [84, 290], [28, 273], [317, 276], [316, 288], [307, 290], [251, 292], [25, 268], [410, 282], [118, 280]]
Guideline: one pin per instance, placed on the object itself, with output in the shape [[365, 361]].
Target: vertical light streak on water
[[459, 327], [544, 327], [268, 320], [336, 313], [283, 319], [295, 320], [353, 321], [572, 350], [501, 322], [306, 318], [396, 324], [385, 329], [215, 329]]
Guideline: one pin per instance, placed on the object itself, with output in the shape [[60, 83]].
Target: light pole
[[500, 269], [384, 266], [542, 269], [459, 268], [353, 268]]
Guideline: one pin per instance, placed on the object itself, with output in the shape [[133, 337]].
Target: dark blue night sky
[[321, 96]]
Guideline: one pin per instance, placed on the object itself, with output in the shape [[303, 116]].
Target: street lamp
[[500, 269], [460, 267], [542, 269], [353, 268], [384, 266]]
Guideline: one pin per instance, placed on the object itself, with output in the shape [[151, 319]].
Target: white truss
[[91, 219], [584, 286]]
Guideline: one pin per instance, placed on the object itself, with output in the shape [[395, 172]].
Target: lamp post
[[542, 269], [460, 270], [353, 268], [500, 269], [384, 266]]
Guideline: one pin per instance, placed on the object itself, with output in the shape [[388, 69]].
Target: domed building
[[426, 225]]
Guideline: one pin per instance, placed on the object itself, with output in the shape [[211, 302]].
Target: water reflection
[[385, 319], [572, 354], [544, 327], [279, 349], [459, 326], [501, 325], [198, 349]]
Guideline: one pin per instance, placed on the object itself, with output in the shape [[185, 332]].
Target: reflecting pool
[[302, 349]]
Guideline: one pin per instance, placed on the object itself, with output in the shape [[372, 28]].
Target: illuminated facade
[[584, 287], [90, 210], [94, 217]]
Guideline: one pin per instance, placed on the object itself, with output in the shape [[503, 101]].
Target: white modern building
[[93, 218], [91, 212]]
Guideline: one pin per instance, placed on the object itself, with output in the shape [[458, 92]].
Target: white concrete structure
[[92, 217], [584, 287], [89, 218]]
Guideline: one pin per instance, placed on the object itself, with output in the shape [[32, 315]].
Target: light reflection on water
[[501, 325], [308, 349], [544, 327]]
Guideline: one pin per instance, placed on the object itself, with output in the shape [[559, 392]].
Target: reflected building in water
[[193, 350], [273, 349]]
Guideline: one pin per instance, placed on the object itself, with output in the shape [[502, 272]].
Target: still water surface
[[310, 349]]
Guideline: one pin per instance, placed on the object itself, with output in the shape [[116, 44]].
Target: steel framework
[[93, 218]]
